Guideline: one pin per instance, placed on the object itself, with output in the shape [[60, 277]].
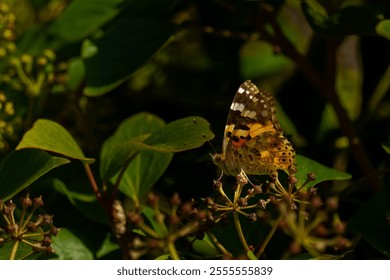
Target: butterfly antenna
[[205, 138]]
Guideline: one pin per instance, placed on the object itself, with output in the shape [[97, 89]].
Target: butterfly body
[[253, 139]]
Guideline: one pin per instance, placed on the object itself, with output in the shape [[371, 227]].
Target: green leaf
[[118, 148], [21, 168], [205, 247], [383, 28], [23, 250], [371, 222], [143, 172], [52, 137], [69, 246], [258, 59], [118, 56], [83, 17], [360, 20], [144, 133], [150, 214], [386, 147], [108, 246], [76, 73], [322, 173], [181, 135], [147, 134], [145, 168]]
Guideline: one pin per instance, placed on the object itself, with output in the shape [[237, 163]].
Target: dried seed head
[[26, 201], [292, 179], [312, 191], [316, 202], [174, 220], [252, 217], [202, 215], [11, 229], [257, 189], [217, 184], [152, 199], [135, 218], [321, 231], [209, 201], [242, 202], [153, 244], [38, 202], [262, 203], [54, 231], [311, 177], [31, 227], [332, 203], [187, 209], [274, 176], [242, 179], [9, 208], [46, 241], [295, 248], [47, 219], [175, 200]]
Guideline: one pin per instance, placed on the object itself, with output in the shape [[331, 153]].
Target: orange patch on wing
[[239, 143]]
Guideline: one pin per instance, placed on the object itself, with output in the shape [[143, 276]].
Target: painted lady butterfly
[[253, 140]]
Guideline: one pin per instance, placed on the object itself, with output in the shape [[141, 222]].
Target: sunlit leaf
[[52, 137], [321, 172]]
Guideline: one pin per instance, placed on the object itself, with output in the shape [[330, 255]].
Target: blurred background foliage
[[91, 64]]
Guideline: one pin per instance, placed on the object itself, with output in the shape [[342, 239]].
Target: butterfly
[[253, 139]]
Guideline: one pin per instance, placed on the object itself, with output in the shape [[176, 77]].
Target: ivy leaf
[[52, 137], [149, 144], [322, 173], [21, 168], [118, 148], [68, 246], [116, 57]]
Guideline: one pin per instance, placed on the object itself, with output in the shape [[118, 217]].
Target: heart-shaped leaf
[[52, 137]]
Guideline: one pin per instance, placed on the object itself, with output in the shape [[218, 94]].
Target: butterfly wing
[[253, 139]]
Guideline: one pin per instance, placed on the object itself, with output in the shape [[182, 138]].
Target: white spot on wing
[[249, 114], [237, 106]]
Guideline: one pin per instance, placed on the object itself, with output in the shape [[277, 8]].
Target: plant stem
[[214, 239], [95, 189], [260, 251], [239, 231], [172, 250], [14, 249], [119, 179]]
